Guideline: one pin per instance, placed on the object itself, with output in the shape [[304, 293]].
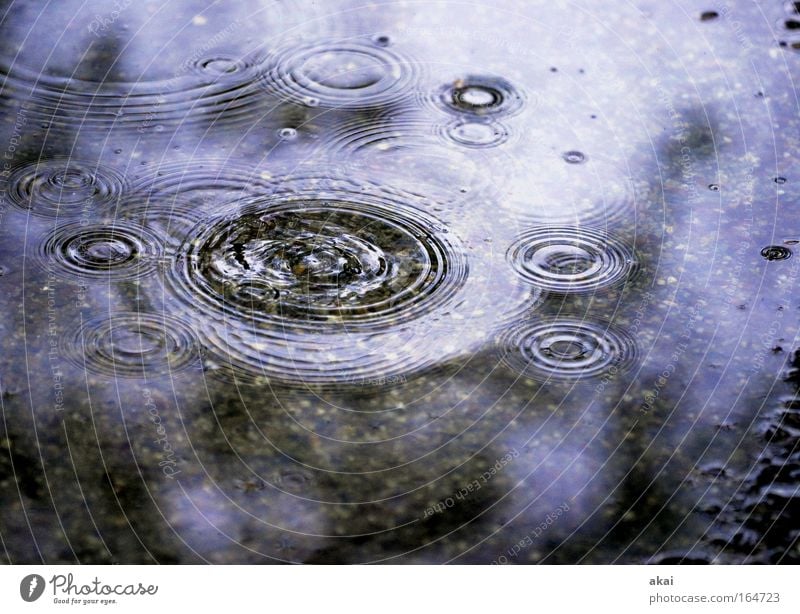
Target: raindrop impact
[[569, 259], [304, 288], [574, 157], [566, 348], [114, 251], [480, 95], [131, 344], [351, 74], [64, 187], [776, 252]]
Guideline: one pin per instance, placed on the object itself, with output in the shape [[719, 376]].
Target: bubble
[[713, 187], [63, 187], [130, 344], [776, 252], [566, 348], [351, 74], [779, 180], [103, 251], [574, 157], [569, 260], [480, 95], [287, 134], [476, 134]]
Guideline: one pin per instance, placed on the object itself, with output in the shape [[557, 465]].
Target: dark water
[[404, 282]]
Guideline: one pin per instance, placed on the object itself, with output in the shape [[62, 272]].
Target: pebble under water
[[280, 280]]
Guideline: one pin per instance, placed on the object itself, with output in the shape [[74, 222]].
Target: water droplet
[[713, 187], [287, 133], [780, 180], [382, 40], [708, 15], [776, 252]]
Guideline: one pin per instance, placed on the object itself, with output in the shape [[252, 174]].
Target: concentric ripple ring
[[329, 261], [317, 287], [63, 187], [566, 348], [350, 74], [569, 259], [131, 344]]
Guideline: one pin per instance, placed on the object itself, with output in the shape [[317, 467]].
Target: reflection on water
[[284, 283]]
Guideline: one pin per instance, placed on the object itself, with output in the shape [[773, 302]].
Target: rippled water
[[285, 282]]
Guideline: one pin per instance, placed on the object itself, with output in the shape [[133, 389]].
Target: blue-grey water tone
[[399, 282]]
